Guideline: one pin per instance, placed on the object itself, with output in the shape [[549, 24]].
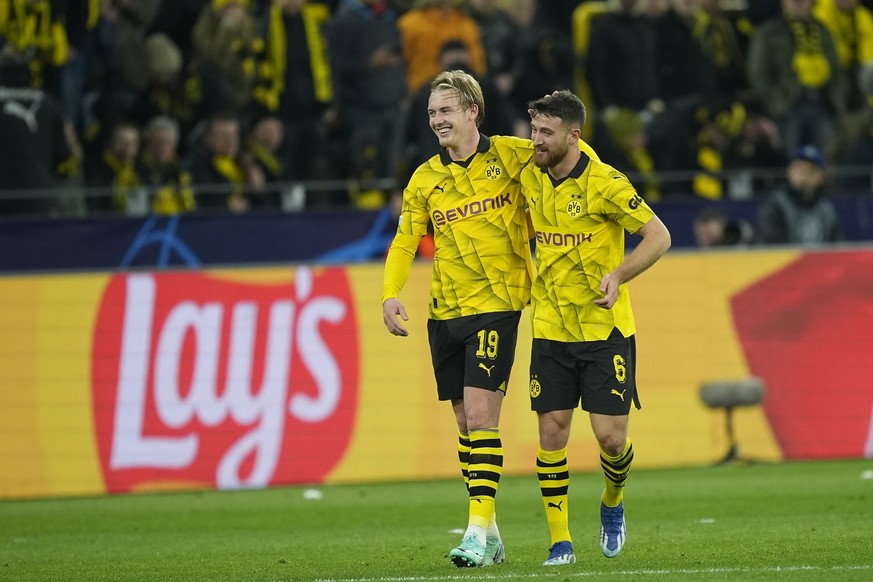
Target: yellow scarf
[[271, 71], [227, 167], [174, 194], [125, 179], [712, 38], [32, 26], [810, 64], [706, 183]]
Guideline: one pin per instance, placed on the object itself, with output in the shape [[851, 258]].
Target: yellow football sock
[[554, 478], [464, 457], [484, 470], [615, 471]]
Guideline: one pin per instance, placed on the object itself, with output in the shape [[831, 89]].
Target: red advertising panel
[[806, 330], [212, 381]]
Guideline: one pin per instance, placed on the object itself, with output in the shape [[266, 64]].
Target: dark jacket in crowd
[[34, 151], [684, 69], [771, 70], [788, 218], [622, 61], [356, 32]]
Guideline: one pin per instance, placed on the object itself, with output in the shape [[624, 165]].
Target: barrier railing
[[70, 201]]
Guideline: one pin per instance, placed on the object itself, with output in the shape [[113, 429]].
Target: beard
[[550, 157]]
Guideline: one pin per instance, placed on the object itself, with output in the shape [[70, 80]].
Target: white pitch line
[[588, 574]]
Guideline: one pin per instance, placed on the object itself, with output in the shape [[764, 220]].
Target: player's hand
[[391, 310], [609, 287]]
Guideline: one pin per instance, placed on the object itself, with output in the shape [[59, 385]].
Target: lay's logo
[[206, 382]]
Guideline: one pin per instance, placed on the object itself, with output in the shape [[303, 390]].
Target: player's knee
[[553, 436], [479, 421], [553, 442], [612, 443]]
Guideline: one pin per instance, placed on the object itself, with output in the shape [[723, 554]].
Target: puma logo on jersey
[[558, 506], [440, 188], [486, 368], [619, 394]]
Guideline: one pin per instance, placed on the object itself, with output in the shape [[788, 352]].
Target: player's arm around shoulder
[[514, 152], [522, 147], [532, 193], [586, 149], [511, 142]]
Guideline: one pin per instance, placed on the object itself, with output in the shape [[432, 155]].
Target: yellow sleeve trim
[[398, 264]]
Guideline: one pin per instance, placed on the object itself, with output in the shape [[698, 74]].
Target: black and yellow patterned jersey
[[482, 258], [580, 222]]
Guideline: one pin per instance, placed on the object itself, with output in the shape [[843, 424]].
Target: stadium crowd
[[138, 106]]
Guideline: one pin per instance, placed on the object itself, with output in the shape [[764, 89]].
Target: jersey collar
[[483, 146]]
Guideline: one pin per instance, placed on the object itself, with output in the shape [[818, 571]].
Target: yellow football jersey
[[482, 258], [580, 222]]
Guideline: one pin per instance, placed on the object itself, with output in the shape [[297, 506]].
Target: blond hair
[[467, 87]]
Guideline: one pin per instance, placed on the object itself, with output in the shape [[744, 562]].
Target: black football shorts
[[600, 374], [475, 350]]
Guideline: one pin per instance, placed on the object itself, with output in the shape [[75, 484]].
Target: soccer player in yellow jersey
[[583, 326], [481, 281]]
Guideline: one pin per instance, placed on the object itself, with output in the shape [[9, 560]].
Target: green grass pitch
[[792, 521]]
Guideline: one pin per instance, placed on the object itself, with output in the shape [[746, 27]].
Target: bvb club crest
[[535, 388], [574, 206]]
